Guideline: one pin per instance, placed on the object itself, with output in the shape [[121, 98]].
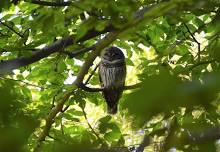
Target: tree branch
[[91, 128], [92, 73], [7, 66], [107, 40], [193, 37], [139, 17], [190, 68], [134, 86], [45, 3], [207, 135], [88, 89], [76, 53], [215, 20], [61, 4], [33, 85], [50, 119], [13, 30]]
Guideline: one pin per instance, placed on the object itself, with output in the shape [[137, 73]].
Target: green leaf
[[105, 119], [129, 62], [4, 4], [199, 22], [85, 27], [101, 25]]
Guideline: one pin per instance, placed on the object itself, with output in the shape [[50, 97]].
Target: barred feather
[[112, 77]]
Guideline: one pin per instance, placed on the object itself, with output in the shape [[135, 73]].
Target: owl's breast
[[112, 77]]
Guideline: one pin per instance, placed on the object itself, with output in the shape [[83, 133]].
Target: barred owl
[[112, 73]]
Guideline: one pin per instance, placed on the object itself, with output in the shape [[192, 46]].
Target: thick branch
[[8, 65], [110, 37], [141, 15], [50, 120], [45, 3]]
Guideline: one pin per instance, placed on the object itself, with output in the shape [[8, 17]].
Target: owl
[[112, 74]]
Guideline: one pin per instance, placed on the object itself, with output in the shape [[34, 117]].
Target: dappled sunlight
[[53, 92]]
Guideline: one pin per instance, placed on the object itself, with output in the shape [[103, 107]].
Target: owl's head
[[113, 53]]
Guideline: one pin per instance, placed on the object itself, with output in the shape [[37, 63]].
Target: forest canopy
[[50, 95]]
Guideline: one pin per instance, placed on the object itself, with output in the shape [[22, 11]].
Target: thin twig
[[50, 121], [7, 66], [92, 73], [3, 34], [76, 53], [101, 44], [90, 126], [196, 65], [88, 89], [10, 28], [130, 87], [193, 37], [23, 82], [65, 109], [54, 97]]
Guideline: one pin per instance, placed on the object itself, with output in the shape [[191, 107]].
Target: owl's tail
[[112, 97]]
